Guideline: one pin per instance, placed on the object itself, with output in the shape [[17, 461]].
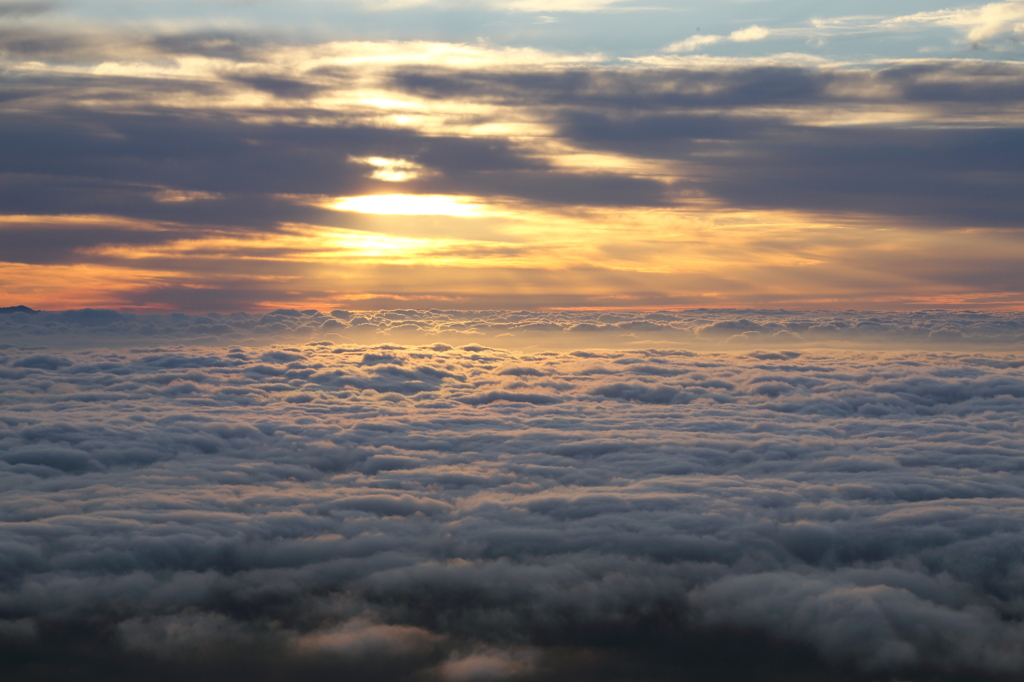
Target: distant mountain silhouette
[[17, 309]]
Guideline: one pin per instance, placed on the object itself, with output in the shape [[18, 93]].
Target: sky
[[567, 154]]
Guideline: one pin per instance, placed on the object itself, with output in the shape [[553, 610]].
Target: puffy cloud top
[[703, 329], [467, 512]]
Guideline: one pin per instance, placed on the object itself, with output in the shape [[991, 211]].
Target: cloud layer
[[464, 512]]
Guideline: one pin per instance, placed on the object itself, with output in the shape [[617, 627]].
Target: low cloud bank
[[697, 329], [398, 512]]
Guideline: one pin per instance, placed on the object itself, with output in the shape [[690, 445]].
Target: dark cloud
[[34, 243], [731, 85], [116, 164], [284, 88], [456, 156], [945, 177], [185, 153], [27, 43], [221, 45], [648, 135], [25, 9], [948, 178], [958, 175], [979, 82], [189, 215]]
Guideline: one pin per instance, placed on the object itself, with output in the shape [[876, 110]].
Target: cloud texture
[[702, 328], [322, 509]]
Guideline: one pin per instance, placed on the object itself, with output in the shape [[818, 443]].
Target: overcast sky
[[574, 153]]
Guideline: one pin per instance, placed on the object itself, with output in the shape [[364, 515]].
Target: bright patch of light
[[390, 170], [176, 196], [372, 246], [410, 204], [693, 42], [749, 34]]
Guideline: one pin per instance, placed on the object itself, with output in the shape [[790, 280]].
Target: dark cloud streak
[[25, 9]]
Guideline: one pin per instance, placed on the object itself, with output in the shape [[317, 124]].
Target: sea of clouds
[[727, 495]]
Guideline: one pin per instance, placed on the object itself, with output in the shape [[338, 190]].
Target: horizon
[[699, 330]]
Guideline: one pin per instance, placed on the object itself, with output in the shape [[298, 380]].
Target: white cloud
[[998, 20], [749, 34], [982, 26], [694, 42]]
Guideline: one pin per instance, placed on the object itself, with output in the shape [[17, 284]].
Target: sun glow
[[411, 204], [390, 170]]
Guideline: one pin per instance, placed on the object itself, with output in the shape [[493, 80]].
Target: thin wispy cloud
[[998, 26], [999, 21], [695, 42]]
